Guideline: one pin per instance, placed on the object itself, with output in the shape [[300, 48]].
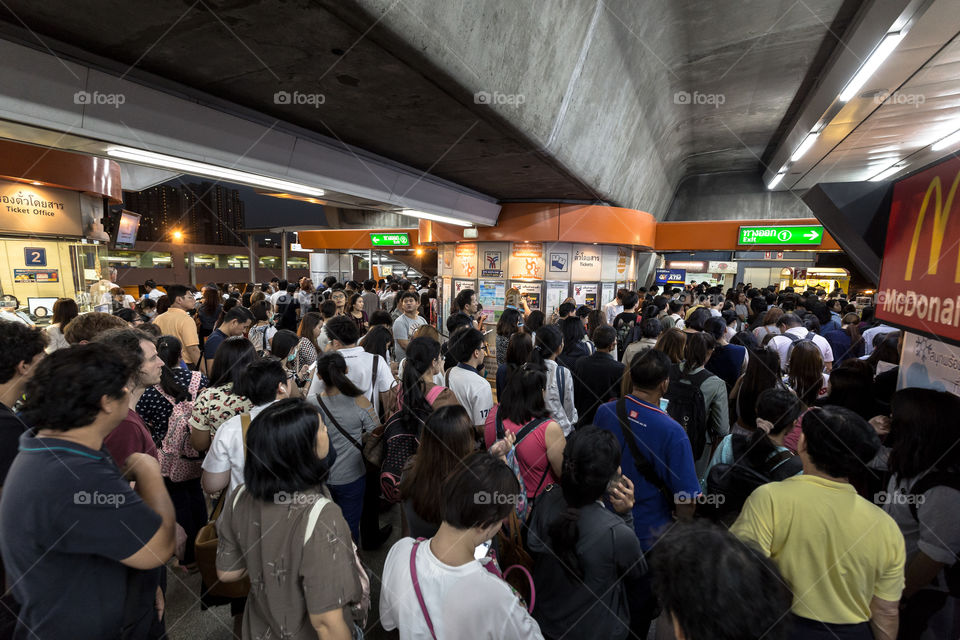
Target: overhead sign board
[[670, 276], [390, 239], [798, 235], [39, 210], [920, 280]]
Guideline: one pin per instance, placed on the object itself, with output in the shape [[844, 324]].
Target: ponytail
[[169, 350], [421, 353], [332, 369], [590, 461], [549, 340]]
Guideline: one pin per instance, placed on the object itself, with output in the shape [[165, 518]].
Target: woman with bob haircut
[[282, 530]]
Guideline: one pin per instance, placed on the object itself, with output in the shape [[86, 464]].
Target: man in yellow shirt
[[178, 323], [842, 556]]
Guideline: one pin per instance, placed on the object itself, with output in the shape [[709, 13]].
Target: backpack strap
[[698, 379], [416, 587], [498, 421], [373, 383], [194, 387], [313, 516], [561, 382], [434, 393], [446, 377], [643, 465], [935, 478], [245, 419], [328, 414]]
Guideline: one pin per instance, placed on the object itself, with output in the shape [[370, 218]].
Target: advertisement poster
[[557, 292], [526, 260], [533, 292], [447, 260], [465, 261], [585, 294], [491, 294], [616, 263], [586, 262], [460, 285], [39, 276], [670, 277], [492, 266], [929, 363], [559, 261], [608, 291]]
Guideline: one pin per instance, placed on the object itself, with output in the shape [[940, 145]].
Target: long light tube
[[776, 179], [884, 49], [206, 170], [949, 141], [435, 217], [805, 145]]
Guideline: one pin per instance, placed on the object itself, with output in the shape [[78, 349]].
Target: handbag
[[206, 552], [372, 448], [206, 546]]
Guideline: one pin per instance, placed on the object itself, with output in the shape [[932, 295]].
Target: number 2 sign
[[35, 256]]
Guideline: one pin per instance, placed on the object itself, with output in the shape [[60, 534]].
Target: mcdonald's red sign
[[920, 278]]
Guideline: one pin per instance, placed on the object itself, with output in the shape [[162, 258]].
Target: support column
[[370, 264], [192, 268], [283, 254], [253, 259]]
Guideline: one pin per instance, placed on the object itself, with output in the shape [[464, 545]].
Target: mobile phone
[[482, 550]]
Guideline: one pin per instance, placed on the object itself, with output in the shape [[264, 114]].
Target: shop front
[[51, 236]]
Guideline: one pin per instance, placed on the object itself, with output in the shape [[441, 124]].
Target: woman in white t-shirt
[[437, 588]]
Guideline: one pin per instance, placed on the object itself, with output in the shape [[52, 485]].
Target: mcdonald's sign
[[920, 278]]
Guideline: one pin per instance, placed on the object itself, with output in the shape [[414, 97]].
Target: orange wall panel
[[607, 225]]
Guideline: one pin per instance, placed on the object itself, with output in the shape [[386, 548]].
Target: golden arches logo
[[941, 215]]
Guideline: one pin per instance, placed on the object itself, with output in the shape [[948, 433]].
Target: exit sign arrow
[[781, 235]]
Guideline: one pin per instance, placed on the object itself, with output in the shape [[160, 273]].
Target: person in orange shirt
[[178, 323]]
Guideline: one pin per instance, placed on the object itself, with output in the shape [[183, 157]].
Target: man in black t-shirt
[[21, 349], [78, 543]]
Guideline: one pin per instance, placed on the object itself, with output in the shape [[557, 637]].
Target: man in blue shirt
[[662, 442]]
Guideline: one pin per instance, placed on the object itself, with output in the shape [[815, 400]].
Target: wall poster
[[526, 260], [587, 263], [533, 291], [585, 293], [557, 292], [465, 261]]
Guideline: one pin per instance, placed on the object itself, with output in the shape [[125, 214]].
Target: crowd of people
[[731, 465]]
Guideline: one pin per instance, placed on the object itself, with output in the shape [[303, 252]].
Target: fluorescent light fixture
[[436, 218], [776, 179], [949, 141], [206, 170], [867, 69], [805, 145], [886, 173]]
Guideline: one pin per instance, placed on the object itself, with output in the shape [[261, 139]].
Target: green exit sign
[[809, 235], [390, 239]]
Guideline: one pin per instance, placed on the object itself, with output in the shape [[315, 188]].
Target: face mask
[[292, 357], [151, 314]]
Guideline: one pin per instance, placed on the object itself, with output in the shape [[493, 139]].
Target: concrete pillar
[[253, 259], [283, 254]]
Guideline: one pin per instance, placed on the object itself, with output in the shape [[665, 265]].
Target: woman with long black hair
[[419, 394], [348, 415], [582, 549]]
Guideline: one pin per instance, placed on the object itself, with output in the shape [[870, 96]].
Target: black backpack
[[688, 407], [735, 482], [626, 334], [795, 339]]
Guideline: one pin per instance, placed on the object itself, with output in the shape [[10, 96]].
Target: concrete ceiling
[[601, 113]]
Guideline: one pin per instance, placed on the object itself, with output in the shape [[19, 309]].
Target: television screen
[[127, 230]]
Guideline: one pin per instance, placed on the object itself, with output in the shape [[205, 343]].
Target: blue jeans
[[349, 497]]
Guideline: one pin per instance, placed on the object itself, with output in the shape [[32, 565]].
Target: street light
[[177, 236]]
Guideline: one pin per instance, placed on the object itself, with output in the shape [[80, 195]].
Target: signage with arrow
[[799, 235]]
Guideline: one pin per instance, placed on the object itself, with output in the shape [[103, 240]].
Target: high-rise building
[[206, 212]]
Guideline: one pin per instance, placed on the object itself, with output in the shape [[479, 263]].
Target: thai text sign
[[809, 234], [39, 210], [390, 239], [920, 279]]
